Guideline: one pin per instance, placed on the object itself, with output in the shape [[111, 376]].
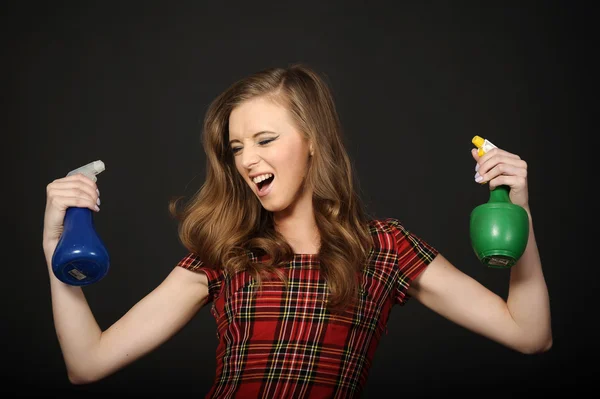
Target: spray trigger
[[90, 170]]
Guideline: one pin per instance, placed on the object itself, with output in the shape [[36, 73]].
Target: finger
[[514, 182], [497, 152], [500, 159], [502, 169], [79, 177], [79, 201], [72, 189], [82, 182]]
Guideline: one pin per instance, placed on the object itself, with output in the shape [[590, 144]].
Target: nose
[[249, 157]]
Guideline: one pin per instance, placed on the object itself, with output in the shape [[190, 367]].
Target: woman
[[300, 280]]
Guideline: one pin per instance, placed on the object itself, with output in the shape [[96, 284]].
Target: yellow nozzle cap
[[478, 141]]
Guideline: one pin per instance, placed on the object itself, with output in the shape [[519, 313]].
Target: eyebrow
[[254, 135]]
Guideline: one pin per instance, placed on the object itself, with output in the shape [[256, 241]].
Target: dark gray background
[[129, 82]]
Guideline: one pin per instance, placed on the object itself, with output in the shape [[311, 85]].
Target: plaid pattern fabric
[[285, 344]]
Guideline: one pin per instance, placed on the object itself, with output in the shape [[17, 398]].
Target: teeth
[[260, 178]]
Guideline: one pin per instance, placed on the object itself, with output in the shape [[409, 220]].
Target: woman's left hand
[[498, 167]]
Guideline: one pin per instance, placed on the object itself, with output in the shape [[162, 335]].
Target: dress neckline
[[306, 256], [304, 261]]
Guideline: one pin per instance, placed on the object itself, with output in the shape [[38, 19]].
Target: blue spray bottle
[[80, 257]]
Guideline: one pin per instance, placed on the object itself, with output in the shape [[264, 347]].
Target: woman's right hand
[[72, 191]]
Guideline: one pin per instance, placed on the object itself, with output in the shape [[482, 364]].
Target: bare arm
[[522, 322], [91, 354]]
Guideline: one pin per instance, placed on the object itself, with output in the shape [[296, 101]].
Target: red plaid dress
[[285, 344]]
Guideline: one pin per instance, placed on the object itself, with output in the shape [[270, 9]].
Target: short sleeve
[[214, 275], [414, 254]]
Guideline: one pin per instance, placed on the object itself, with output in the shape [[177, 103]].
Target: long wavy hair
[[224, 222]]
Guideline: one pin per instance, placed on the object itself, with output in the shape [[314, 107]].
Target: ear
[[312, 151]]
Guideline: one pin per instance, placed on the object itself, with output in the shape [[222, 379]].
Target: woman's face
[[270, 154]]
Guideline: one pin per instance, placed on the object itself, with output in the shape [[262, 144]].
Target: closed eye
[[264, 142], [235, 150]]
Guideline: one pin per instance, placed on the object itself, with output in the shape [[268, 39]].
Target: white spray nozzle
[[90, 170]]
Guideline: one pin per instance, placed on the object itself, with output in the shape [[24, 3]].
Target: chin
[[273, 208], [275, 205]]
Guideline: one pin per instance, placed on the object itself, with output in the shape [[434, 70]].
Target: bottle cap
[[90, 170]]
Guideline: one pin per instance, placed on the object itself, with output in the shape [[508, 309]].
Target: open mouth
[[264, 182]]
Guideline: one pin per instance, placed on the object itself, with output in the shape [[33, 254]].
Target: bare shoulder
[[194, 283], [191, 276]]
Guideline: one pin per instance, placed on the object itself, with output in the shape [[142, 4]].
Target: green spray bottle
[[499, 229]]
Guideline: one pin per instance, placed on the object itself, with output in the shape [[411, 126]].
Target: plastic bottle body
[[499, 229], [80, 257]]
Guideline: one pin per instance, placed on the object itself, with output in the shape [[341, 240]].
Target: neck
[[298, 226]]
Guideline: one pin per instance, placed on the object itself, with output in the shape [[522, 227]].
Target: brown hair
[[224, 220]]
